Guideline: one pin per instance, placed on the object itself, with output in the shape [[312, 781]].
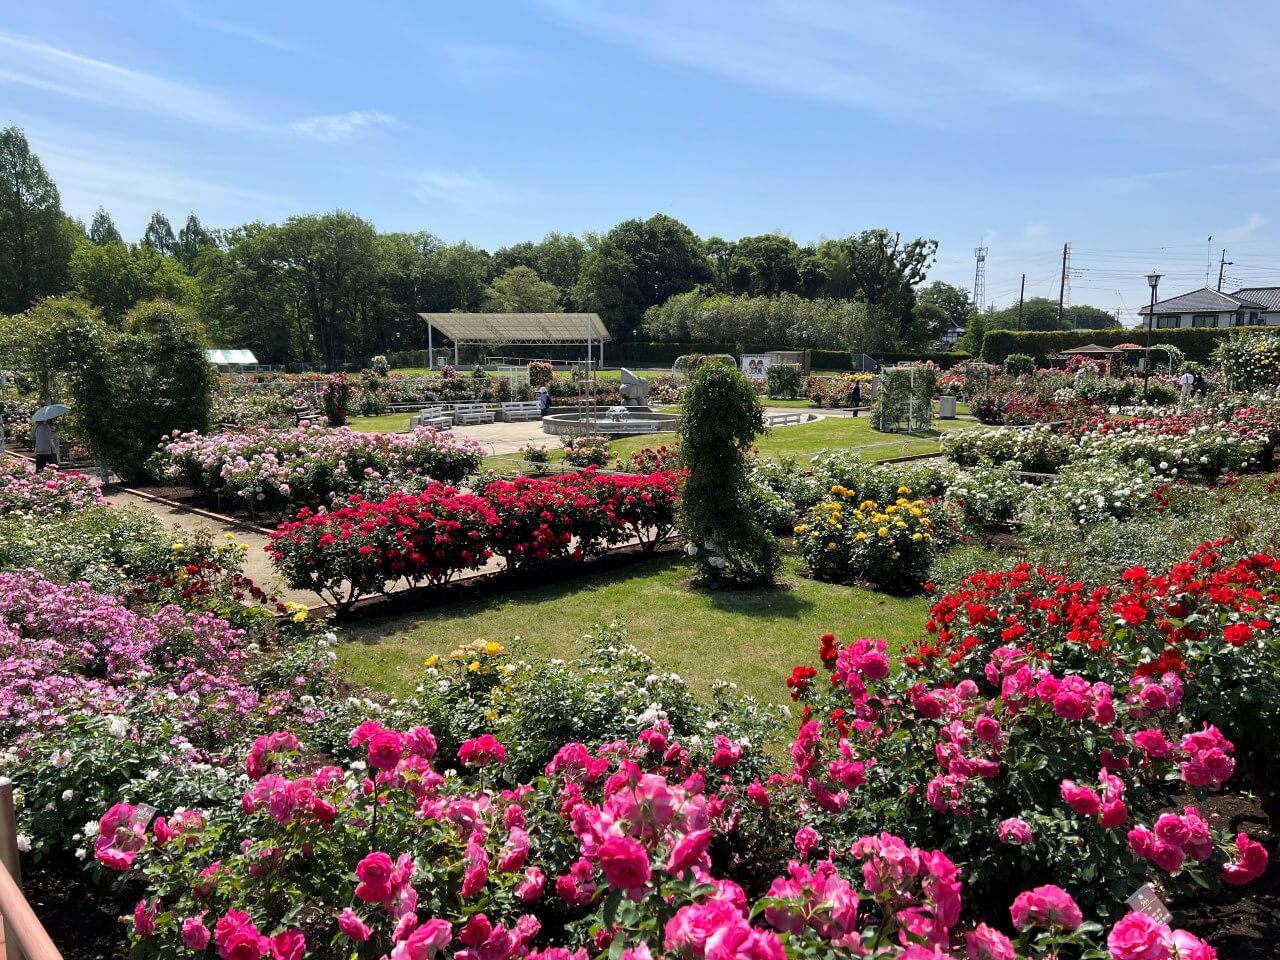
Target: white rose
[[68, 795], [118, 727]]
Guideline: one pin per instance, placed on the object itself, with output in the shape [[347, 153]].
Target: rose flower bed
[[275, 472], [48, 493], [364, 546]]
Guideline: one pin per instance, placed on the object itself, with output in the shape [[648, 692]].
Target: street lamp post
[[1153, 279]]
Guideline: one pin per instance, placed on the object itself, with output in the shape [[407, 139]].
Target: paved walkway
[[498, 438], [256, 562]]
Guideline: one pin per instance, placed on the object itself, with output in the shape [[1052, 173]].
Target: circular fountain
[[613, 422]]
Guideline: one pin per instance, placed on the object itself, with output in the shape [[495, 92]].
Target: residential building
[[1248, 307]]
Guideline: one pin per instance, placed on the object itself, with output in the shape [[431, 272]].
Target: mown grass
[[753, 637]]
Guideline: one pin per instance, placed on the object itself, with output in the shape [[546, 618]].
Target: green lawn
[[385, 423], [753, 637], [806, 439]]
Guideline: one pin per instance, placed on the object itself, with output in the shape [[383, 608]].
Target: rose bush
[[274, 472]]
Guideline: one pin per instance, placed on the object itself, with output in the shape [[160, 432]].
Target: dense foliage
[[720, 419]]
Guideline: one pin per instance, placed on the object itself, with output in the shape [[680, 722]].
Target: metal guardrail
[[25, 938]]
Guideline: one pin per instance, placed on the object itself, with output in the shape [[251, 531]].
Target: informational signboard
[[756, 365], [1146, 900]]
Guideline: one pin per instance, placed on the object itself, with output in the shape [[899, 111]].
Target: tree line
[[324, 288]]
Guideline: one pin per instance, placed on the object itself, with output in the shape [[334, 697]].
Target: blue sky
[[1133, 130]]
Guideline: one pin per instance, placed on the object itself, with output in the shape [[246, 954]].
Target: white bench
[[782, 419], [472, 413], [514, 410], [433, 417]]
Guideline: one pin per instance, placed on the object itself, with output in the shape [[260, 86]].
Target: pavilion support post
[[431, 355]]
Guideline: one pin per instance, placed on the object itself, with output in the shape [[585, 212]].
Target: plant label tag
[[142, 815], [1146, 900]]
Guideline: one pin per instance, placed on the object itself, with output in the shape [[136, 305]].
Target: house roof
[[1204, 300], [1268, 297], [511, 328]]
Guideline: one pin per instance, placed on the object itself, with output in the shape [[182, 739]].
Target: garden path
[[256, 562], [499, 438]]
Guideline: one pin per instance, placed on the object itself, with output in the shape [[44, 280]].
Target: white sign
[[756, 365]]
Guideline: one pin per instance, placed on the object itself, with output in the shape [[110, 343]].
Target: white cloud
[[197, 17], [465, 190], [937, 65], [1243, 231], [31, 63], [337, 127]]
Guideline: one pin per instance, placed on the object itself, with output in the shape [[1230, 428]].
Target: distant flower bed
[[362, 547], [274, 472], [22, 490]]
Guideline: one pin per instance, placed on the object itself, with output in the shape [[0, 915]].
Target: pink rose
[[1191, 947], [1046, 906], [1015, 830], [289, 945], [355, 928], [692, 925], [532, 886], [238, 939], [806, 839], [421, 742], [424, 942], [986, 943], [144, 918], [385, 749], [374, 873], [1083, 800], [689, 851], [195, 935], [1249, 864], [625, 863], [482, 751], [1137, 936]]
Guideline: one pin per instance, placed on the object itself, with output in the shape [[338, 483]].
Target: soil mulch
[[1243, 923], [83, 920]]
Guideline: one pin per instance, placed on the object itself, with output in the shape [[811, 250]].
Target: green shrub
[[1016, 364], [785, 380], [1196, 343], [720, 420]]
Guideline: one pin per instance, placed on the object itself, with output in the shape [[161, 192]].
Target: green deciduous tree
[[114, 278], [557, 258], [954, 301], [102, 230], [766, 265], [879, 269], [636, 265], [159, 235], [521, 290], [36, 238]]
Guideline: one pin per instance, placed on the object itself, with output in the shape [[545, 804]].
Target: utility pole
[[1022, 290], [1062, 285], [1222, 265]]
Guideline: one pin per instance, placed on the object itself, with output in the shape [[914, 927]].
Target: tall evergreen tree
[[192, 238], [159, 234], [102, 230], [36, 237]]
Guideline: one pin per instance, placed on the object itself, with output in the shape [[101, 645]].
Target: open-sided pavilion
[[520, 329]]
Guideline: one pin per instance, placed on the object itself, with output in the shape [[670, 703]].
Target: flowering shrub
[[614, 845], [890, 545], [586, 451], [336, 399], [1038, 449], [24, 491], [987, 498], [1249, 361], [540, 373], [1093, 491], [363, 547], [651, 459], [275, 472], [535, 453]]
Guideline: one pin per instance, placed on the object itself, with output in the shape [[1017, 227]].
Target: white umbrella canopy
[[51, 412]]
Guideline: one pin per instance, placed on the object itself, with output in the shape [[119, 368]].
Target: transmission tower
[[980, 278]]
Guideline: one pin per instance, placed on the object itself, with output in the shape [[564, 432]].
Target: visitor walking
[[44, 438], [1199, 387], [1188, 381], [544, 401], [855, 399]]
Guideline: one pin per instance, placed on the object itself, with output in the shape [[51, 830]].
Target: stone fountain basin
[[640, 420]]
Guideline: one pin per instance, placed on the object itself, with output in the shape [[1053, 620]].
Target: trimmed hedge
[[944, 360], [1196, 343]]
